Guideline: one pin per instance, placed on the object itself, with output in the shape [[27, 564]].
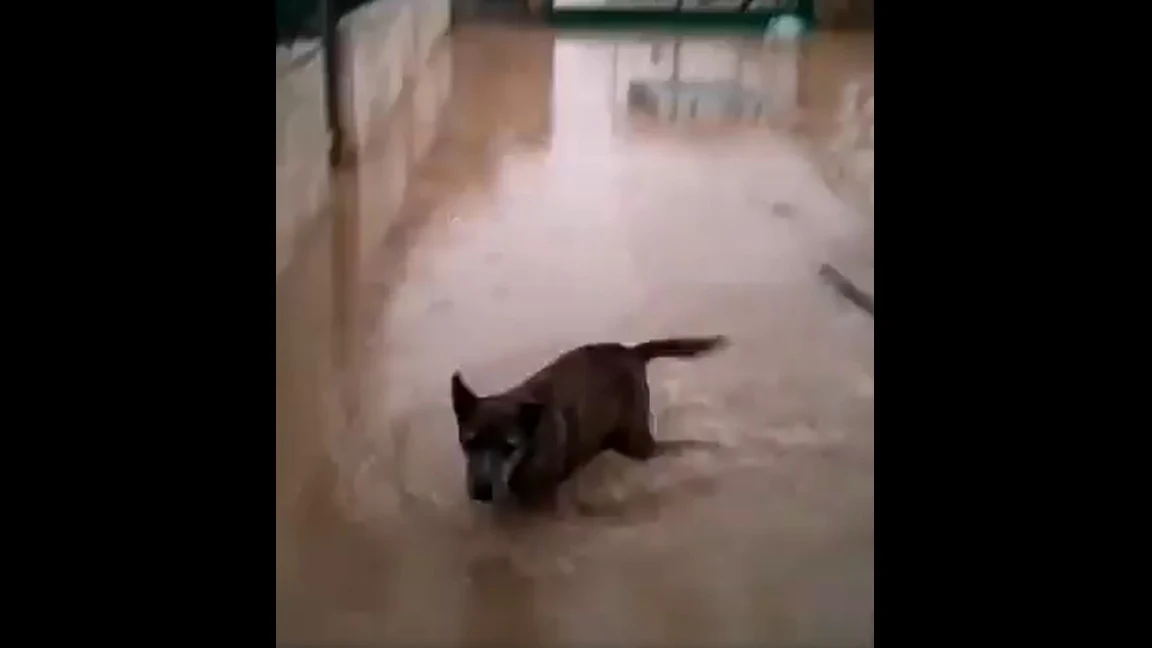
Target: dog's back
[[609, 357], [599, 394], [595, 376]]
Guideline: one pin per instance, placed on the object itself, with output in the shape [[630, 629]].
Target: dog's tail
[[679, 347]]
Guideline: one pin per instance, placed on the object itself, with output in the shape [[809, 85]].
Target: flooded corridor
[[531, 192]]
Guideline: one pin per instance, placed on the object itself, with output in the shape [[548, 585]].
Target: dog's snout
[[481, 491], [482, 475]]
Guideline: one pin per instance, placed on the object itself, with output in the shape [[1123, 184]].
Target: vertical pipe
[[676, 79], [328, 39]]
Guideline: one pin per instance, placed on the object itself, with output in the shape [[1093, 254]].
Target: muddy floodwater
[[531, 192]]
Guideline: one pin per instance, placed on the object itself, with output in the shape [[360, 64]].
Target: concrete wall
[[386, 43], [301, 143]]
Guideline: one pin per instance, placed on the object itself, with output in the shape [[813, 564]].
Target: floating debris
[[847, 289]]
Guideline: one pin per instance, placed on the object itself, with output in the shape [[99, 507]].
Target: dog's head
[[495, 434]]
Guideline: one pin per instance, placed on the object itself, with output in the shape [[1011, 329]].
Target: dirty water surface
[[524, 198]]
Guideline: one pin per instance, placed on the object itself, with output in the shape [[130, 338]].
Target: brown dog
[[526, 441]]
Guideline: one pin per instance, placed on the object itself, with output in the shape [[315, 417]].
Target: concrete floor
[[544, 214]]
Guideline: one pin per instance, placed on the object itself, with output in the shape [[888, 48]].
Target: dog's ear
[[463, 399], [530, 415]]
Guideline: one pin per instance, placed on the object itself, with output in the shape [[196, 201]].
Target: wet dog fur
[[521, 444]]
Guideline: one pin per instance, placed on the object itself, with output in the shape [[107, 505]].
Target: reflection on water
[[676, 79], [507, 208]]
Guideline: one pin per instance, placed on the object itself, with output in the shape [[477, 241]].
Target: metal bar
[[676, 78]]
